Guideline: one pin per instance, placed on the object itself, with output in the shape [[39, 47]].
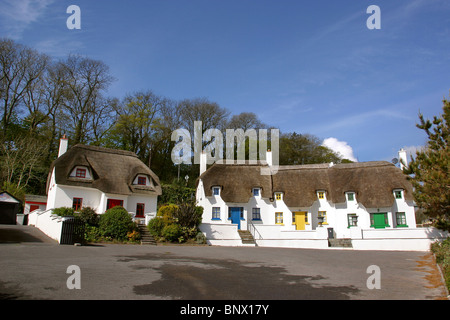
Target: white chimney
[[402, 158], [203, 159], [63, 143], [269, 159]]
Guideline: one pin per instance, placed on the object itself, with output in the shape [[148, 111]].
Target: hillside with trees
[[43, 98]]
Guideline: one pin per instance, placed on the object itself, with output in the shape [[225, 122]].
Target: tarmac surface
[[36, 267]]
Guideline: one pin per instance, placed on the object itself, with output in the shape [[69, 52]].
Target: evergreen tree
[[429, 169]]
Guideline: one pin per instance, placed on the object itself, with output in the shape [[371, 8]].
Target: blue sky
[[305, 66]]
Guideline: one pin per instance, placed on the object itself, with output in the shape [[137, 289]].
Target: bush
[[442, 252], [89, 216], [188, 215], [115, 223], [155, 226], [167, 213], [172, 232], [63, 211]]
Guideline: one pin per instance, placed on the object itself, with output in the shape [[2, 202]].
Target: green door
[[379, 220]]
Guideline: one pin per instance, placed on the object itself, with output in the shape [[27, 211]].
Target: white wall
[[48, 223]]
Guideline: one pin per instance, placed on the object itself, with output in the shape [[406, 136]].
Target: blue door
[[235, 216]]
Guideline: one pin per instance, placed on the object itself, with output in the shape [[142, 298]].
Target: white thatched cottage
[[366, 205], [101, 178]]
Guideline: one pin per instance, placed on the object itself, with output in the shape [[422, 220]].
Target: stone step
[[146, 237], [246, 237]]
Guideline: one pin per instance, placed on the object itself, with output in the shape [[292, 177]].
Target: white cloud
[[16, 16], [340, 147]]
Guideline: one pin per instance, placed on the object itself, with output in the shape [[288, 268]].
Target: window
[[352, 219], [256, 214], [140, 208], [142, 181], [321, 194], [256, 192], [401, 219], [77, 203], [323, 214], [216, 213], [398, 194], [216, 191], [80, 173], [350, 196], [278, 196], [278, 217]]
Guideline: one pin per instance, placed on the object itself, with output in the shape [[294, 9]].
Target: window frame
[[139, 207], [398, 194], [279, 218], [324, 215], [215, 211], [256, 214], [141, 181], [77, 203], [350, 221], [214, 191], [278, 196], [321, 195], [256, 192], [80, 173], [402, 216], [350, 196]]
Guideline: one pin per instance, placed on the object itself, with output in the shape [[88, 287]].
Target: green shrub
[[115, 223], [200, 238], [167, 213], [63, 211], [442, 252], [155, 226], [172, 232], [88, 216]]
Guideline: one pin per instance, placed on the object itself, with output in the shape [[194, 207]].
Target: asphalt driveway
[[35, 267]]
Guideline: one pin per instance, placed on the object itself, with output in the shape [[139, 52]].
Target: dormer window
[[321, 194], [256, 192], [278, 196], [142, 181], [80, 173], [216, 191], [398, 194], [350, 196]]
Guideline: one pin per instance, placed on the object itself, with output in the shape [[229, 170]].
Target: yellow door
[[300, 220]]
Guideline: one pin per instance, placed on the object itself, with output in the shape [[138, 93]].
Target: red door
[[111, 203], [33, 207]]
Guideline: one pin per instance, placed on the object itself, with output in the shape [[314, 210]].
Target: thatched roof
[[113, 171], [372, 182]]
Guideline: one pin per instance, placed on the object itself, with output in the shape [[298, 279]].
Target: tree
[[85, 79], [429, 170], [304, 149], [20, 68]]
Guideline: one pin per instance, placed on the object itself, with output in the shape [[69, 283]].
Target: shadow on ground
[[219, 279]]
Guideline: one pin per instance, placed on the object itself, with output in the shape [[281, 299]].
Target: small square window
[[216, 191], [142, 181], [401, 219], [77, 203], [321, 195], [216, 213], [398, 194], [256, 214], [80, 173], [352, 220], [350, 196], [256, 192], [323, 214], [278, 196], [278, 217]]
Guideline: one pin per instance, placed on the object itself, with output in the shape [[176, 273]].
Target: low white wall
[[407, 239], [50, 224], [221, 234]]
